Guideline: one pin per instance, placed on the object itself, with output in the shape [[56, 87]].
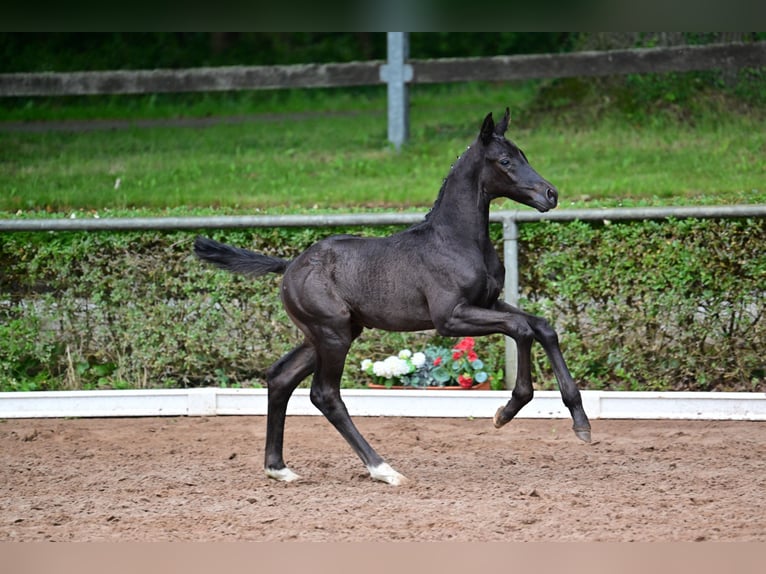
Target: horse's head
[[506, 171]]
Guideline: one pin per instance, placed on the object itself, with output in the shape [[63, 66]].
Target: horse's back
[[374, 280]]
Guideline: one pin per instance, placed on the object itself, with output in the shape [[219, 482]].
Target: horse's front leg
[[464, 320], [522, 390], [548, 338]]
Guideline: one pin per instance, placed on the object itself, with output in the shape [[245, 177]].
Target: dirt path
[[200, 479]]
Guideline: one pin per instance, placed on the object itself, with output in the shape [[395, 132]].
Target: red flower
[[456, 355], [465, 381], [472, 356], [437, 361], [465, 344]]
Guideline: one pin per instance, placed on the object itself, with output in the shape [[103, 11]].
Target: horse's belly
[[398, 324], [400, 315]]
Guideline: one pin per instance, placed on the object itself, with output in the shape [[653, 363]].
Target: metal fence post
[[396, 74], [511, 295]]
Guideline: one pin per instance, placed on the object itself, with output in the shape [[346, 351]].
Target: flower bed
[[456, 367]]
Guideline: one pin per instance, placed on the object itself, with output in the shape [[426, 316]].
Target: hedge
[[647, 305], [650, 305]]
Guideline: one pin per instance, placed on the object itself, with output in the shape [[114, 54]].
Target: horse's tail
[[237, 260]]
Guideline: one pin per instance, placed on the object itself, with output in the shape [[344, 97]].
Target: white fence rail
[[362, 402]]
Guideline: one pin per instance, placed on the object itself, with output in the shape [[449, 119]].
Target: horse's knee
[[449, 326], [545, 333], [522, 333]]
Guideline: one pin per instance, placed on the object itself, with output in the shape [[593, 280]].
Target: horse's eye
[[505, 162]]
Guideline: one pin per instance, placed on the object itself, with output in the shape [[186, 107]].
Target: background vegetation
[[640, 306], [671, 305]]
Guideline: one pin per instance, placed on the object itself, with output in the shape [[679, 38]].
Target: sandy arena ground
[[200, 479]]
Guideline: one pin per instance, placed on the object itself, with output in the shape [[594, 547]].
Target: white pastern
[[385, 473], [282, 474]]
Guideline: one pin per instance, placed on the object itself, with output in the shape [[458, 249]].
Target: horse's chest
[[490, 283], [492, 288]]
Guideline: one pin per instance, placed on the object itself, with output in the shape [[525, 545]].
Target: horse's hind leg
[[332, 348], [282, 378]]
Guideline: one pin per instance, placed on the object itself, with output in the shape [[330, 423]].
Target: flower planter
[[478, 387]]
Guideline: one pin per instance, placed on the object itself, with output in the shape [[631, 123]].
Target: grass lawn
[[327, 149]]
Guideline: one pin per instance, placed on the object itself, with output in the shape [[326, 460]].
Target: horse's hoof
[[282, 474], [384, 473], [582, 434], [497, 418]]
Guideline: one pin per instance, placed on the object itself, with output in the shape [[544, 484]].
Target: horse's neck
[[462, 208]]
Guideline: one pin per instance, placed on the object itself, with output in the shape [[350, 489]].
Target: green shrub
[[652, 305], [110, 310], [649, 305]]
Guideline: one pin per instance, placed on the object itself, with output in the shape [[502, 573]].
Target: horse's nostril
[[551, 195]]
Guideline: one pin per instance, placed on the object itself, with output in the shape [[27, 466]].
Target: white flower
[[378, 369], [396, 367]]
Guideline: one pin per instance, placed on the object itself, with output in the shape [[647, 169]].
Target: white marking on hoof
[[384, 473], [281, 474]]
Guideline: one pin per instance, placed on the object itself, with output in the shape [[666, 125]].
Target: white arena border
[[394, 403]]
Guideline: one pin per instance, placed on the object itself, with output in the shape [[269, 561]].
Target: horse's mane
[[453, 168]]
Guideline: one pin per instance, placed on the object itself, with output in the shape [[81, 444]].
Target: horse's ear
[[502, 126], [487, 129]]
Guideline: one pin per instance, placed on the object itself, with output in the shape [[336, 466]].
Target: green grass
[[327, 149]]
